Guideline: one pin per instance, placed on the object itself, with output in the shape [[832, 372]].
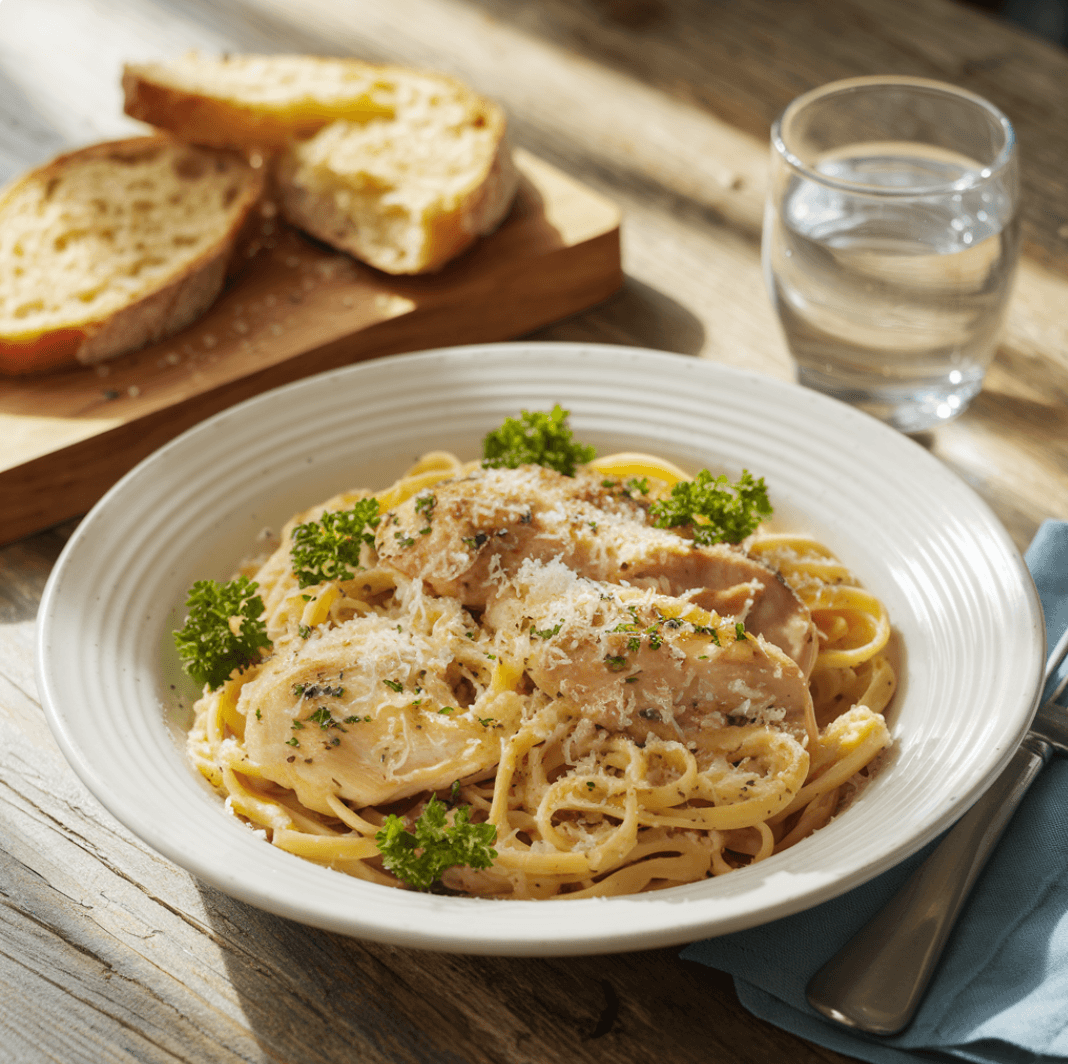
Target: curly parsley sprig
[[720, 512], [324, 549], [536, 438], [209, 646], [421, 857]]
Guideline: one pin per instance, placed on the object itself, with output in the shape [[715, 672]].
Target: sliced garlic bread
[[400, 168], [409, 193], [111, 247]]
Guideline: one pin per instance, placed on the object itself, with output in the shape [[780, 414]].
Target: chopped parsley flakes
[[547, 633]]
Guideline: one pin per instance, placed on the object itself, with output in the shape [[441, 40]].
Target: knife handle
[[876, 982]]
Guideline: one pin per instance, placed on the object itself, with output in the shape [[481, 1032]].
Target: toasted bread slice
[[254, 101], [405, 194], [111, 247], [400, 168]]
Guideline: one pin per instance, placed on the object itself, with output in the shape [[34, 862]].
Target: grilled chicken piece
[[468, 535], [732, 584], [356, 712], [637, 661]]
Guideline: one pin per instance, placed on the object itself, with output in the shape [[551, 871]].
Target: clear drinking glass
[[891, 237]]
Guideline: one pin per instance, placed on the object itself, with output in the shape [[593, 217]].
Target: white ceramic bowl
[[959, 596]]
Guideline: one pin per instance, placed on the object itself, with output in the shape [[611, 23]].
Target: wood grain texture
[[107, 952]]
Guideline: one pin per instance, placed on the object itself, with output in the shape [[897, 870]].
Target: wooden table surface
[[108, 952]]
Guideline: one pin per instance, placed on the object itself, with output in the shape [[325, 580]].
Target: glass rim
[[974, 178]]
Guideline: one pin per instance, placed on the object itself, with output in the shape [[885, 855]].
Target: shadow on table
[[1021, 405], [638, 316], [314, 996]]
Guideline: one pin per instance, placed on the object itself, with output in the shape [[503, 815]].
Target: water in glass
[[893, 303]]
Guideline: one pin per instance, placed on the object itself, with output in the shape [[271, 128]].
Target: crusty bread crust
[[172, 302], [204, 120], [162, 94], [160, 314]]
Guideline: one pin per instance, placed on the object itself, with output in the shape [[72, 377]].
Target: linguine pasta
[[628, 710]]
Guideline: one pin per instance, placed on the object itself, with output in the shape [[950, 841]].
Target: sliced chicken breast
[[641, 662], [372, 714], [467, 536]]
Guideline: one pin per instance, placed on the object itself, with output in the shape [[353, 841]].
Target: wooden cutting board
[[297, 309]]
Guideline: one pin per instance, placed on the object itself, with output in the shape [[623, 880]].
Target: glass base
[[919, 407]]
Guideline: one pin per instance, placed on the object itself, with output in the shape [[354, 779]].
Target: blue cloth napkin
[[1000, 995]]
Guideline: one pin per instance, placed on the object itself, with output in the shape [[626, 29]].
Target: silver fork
[[876, 982]]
